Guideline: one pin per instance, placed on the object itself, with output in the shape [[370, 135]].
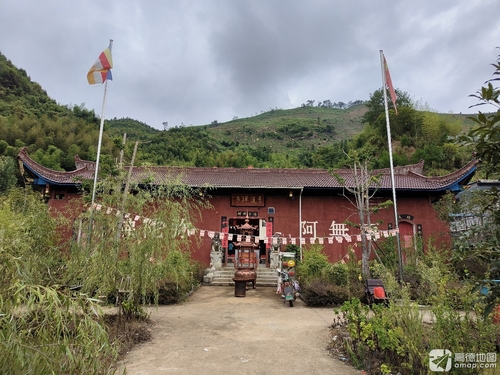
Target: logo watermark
[[440, 360], [443, 360]]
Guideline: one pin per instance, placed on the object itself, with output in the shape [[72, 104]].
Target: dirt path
[[214, 332]]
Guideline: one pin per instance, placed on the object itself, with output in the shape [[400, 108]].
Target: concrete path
[[214, 332]]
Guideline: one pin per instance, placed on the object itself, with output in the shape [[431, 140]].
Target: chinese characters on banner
[[247, 200]]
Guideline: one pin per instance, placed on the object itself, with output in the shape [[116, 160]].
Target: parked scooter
[[290, 288]]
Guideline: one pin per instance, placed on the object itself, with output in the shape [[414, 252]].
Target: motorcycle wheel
[[290, 303]]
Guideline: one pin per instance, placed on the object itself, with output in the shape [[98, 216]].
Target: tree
[[437, 128], [376, 106], [365, 186], [327, 103], [485, 139], [145, 256], [7, 173], [408, 122], [485, 136]]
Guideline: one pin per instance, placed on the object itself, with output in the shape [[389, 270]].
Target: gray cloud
[[193, 62]]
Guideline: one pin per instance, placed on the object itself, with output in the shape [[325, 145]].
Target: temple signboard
[[247, 200]]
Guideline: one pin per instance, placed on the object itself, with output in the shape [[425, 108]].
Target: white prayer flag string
[[374, 235]]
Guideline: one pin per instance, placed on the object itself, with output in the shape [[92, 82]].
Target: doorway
[[258, 231], [407, 237]]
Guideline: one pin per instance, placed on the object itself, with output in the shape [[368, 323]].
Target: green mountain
[[278, 138], [303, 127], [309, 136]]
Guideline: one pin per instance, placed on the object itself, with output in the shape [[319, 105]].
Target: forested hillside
[[53, 133], [311, 136]]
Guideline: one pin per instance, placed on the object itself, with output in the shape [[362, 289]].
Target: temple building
[[289, 206]]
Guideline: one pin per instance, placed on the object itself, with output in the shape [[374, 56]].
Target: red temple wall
[[318, 214]]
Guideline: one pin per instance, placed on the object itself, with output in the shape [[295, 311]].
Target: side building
[[289, 206]]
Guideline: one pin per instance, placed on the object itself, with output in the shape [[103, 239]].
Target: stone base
[[208, 278]]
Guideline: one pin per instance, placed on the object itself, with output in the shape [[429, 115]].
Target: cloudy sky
[[192, 62]]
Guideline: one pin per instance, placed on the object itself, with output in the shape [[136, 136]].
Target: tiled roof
[[406, 177], [84, 171]]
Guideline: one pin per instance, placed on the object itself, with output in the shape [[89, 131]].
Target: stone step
[[224, 276], [268, 279], [260, 271], [227, 273], [259, 278], [230, 282]]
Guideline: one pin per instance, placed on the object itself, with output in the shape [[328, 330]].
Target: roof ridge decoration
[[51, 175], [417, 168], [80, 163], [456, 174]]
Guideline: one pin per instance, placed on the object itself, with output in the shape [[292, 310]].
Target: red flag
[[388, 81]]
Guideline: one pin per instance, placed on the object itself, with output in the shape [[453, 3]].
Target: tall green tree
[[485, 139], [7, 173], [376, 106]]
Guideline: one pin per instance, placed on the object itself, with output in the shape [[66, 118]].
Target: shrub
[[44, 331], [396, 336], [337, 273], [317, 293], [419, 289], [356, 289], [339, 294], [169, 293], [320, 293], [180, 276], [315, 264]]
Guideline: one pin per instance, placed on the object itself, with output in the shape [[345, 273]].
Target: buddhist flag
[[101, 70], [388, 81]]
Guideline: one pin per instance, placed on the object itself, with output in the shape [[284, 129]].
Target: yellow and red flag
[[101, 70]]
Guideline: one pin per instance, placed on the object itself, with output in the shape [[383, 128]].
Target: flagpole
[[101, 128], [396, 216]]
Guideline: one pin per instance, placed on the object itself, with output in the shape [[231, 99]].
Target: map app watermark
[[443, 360]]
